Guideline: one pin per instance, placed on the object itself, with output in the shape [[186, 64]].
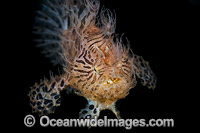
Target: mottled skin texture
[[95, 62], [98, 73]]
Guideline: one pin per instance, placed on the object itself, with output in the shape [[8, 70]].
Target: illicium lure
[[96, 63]]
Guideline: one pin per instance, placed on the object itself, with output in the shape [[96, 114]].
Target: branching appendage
[[45, 96]]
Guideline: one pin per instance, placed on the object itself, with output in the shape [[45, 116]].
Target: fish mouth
[[111, 81]]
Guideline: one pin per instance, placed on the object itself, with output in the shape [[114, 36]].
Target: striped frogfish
[[97, 64]]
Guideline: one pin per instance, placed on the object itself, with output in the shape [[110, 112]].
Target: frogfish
[[97, 64]]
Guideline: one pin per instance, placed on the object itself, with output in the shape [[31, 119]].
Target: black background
[[160, 31]]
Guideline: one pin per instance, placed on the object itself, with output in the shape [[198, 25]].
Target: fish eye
[[96, 70]]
